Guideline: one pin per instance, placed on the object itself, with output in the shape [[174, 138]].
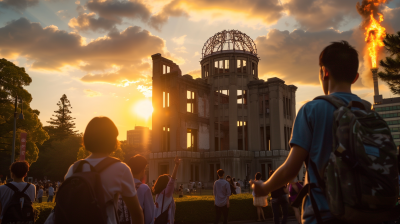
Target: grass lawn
[[192, 209]]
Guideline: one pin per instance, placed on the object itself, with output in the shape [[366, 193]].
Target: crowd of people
[[101, 189]]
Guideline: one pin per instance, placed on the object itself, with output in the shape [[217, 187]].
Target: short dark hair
[[220, 172], [19, 169], [341, 60], [271, 172], [161, 184], [258, 176], [101, 135], [137, 164]]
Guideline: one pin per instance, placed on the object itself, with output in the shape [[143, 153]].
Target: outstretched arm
[[285, 173], [177, 162], [169, 190]]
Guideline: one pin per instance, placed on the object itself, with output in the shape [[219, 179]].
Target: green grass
[[193, 209]]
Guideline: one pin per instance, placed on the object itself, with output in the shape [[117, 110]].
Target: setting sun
[[144, 108]]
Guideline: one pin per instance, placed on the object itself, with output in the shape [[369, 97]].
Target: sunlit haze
[[98, 53]]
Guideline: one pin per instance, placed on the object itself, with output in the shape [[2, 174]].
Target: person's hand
[[259, 188], [177, 160]]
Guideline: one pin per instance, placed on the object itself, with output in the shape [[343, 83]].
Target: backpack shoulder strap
[[12, 187], [79, 164], [108, 161], [26, 187], [335, 101]]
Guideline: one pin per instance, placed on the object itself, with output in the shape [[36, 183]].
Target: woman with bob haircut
[[163, 189], [100, 138]]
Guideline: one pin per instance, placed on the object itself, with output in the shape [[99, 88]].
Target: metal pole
[[15, 129]]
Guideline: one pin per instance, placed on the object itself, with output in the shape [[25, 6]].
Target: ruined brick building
[[228, 118]]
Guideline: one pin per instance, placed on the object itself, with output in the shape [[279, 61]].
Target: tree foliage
[[391, 65], [12, 82], [56, 158], [62, 123]]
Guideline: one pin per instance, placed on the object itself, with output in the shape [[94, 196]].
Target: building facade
[[139, 137], [228, 118]]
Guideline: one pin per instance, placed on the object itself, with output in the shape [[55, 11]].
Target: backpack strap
[[26, 187], [13, 187], [77, 168], [335, 101], [108, 161]]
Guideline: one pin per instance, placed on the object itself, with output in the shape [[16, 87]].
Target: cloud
[[88, 21], [171, 9], [179, 40], [196, 54], [181, 49], [91, 93], [116, 58], [392, 18], [195, 73], [63, 14], [293, 56], [266, 11], [18, 5], [115, 10], [317, 15]]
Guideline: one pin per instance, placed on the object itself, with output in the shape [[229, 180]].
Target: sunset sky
[[97, 52]]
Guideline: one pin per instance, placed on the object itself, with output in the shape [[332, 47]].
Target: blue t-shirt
[[313, 131]]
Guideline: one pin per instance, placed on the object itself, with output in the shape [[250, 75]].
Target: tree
[[62, 125], [12, 82], [391, 64]]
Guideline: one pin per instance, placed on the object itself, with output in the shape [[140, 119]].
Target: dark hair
[[19, 169], [231, 181], [137, 164], [101, 135], [161, 184], [271, 172], [341, 60], [258, 176], [220, 172]]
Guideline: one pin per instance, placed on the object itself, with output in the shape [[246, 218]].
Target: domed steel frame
[[229, 40]]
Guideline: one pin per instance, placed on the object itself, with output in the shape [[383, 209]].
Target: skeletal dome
[[229, 40]]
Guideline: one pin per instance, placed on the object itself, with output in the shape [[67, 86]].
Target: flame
[[374, 32]]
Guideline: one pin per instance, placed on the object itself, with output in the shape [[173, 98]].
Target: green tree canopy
[[62, 123], [391, 64], [12, 82]]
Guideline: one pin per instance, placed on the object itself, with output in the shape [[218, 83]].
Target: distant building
[[139, 137], [389, 109], [228, 118]]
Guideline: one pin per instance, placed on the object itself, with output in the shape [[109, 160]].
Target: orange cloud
[[119, 57]]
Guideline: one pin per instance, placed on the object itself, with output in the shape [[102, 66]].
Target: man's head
[[258, 176], [19, 169], [338, 62], [138, 165], [220, 173]]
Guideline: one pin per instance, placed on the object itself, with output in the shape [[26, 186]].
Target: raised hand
[[177, 160]]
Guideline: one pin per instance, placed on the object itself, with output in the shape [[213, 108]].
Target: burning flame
[[374, 32]]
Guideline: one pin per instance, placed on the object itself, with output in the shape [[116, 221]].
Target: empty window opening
[[241, 97], [166, 69], [206, 70], [191, 101], [241, 66], [191, 139], [165, 99], [253, 69], [166, 139]]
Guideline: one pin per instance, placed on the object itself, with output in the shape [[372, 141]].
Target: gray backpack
[[360, 180]]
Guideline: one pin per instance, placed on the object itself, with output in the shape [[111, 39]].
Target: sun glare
[[144, 109]]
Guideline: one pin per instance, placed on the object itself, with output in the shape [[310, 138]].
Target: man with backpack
[[347, 148], [138, 166], [16, 197]]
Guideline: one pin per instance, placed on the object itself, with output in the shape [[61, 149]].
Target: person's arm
[[286, 189], [169, 190], [132, 203], [286, 172], [148, 207]]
